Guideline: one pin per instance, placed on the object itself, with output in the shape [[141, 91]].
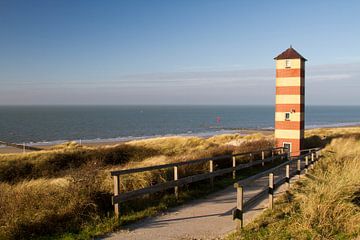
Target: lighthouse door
[[287, 147]]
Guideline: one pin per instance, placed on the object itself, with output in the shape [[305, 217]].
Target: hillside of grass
[[325, 205], [65, 192]]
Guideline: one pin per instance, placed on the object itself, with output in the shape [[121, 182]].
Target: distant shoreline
[[50, 126], [215, 130], [115, 141]]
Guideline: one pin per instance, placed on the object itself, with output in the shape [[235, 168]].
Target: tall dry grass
[[330, 204], [325, 206], [32, 207], [177, 149], [69, 187], [55, 163]]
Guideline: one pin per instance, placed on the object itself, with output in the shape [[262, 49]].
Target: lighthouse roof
[[290, 53]]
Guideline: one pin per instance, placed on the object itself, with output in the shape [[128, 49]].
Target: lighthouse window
[[287, 116], [288, 63]]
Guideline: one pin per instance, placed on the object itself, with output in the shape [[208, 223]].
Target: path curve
[[206, 218]]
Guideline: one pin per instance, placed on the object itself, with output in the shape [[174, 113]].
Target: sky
[[174, 52]]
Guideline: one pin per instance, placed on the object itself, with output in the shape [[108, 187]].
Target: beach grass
[[325, 206], [65, 192]]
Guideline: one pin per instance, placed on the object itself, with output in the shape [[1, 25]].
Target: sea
[[41, 125]]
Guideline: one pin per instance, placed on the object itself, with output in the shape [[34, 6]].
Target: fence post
[[116, 193], [238, 214], [262, 157], [176, 189], [312, 160], [306, 164], [287, 176], [211, 170], [317, 154], [234, 166], [271, 190], [298, 167]]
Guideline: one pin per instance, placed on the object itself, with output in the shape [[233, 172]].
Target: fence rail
[[20, 146], [242, 206], [178, 164], [276, 153]]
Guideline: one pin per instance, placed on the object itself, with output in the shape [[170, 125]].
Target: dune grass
[[325, 206], [65, 192]]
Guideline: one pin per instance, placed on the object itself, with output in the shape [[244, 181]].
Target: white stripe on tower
[[290, 100]]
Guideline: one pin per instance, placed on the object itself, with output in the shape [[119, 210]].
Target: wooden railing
[[20, 146], [275, 153], [242, 206]]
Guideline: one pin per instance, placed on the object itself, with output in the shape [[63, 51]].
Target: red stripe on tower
[[289, 108]]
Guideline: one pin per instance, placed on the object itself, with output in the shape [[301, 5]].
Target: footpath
[[206, 218]]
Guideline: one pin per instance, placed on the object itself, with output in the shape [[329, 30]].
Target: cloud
[[334, 72], [255, 86]]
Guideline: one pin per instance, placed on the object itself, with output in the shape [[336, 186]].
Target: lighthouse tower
[[290, 101]]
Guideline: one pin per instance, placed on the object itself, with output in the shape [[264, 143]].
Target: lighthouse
[[290, 101]]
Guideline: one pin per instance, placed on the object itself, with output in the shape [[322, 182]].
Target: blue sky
[[174, 52]]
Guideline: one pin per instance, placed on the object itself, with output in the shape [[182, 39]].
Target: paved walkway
[[207, 218]]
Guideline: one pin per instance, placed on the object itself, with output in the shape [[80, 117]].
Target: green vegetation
[[325, 205], [65, 192]]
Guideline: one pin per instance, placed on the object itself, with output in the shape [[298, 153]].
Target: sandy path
[[206, 218]]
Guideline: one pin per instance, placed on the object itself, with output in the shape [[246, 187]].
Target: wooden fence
[[20, 146], [274, 153], [242, 206]]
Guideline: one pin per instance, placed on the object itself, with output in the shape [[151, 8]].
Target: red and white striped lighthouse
[[290, 101]]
